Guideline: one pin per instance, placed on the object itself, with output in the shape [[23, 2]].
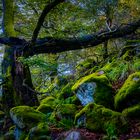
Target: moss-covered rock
[[45, 108], [65, 110], [132, 112], [129, 94], [63, 115], [26, 117], [72, 100], [39, 132], [98, 118], [48, 100], [97, 86]]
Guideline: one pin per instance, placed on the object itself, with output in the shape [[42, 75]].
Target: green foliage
[[116, 69], [111, 131]]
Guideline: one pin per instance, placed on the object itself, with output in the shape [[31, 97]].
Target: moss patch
[[39, 132], [26, 117], [48, 100], [103, 92], [132, 112], [99, 118], [129, 94]]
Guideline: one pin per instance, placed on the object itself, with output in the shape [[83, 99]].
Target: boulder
[[94, 88], [39, 132], [98, 118], [26, 117], [48, 100], [45, 108], [129, 94]]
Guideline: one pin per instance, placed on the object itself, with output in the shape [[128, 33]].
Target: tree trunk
[[18, 87]]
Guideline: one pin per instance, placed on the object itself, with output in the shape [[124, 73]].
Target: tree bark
[[17, 77]]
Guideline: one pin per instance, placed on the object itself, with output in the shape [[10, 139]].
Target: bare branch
[[41, 19]]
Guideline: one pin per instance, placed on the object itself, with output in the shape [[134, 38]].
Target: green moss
[[132, 112], [8, 18], [129, 94], [48, 100], [103, 93], [115, 69], [63, 115], [127, 56], [90, 78], [65, 92], [39, 132], [26, 117], [72, 100], [45, 108], [98, 118]]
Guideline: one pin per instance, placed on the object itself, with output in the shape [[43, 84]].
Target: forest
[[70, 70]]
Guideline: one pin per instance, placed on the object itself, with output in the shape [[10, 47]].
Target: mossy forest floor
[[103, 103]]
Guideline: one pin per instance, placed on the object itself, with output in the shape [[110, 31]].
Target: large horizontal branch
[[12, 41], [52, 45]]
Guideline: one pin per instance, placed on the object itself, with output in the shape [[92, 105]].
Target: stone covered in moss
[[63, 115], [39, 132], [98, 118], [26, 117], [132, 112], [97, 87], [45, 108], [65, 111], [129, 94], [48, 100]]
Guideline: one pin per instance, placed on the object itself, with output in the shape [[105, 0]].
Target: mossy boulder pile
[[98, 118]]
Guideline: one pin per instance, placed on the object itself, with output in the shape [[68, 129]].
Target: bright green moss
[[98, 118], [45, 108], [129, 94], [115, 69], [63, 116], [132, 112], [103, 92], [72, 100], [90, 78], [48, 100], [25, 116], [127, 56]]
